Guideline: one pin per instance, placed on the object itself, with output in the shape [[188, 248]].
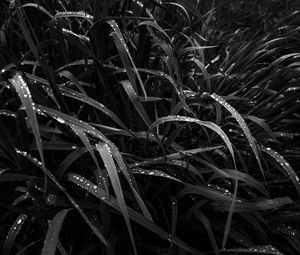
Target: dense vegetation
[[149, 127]]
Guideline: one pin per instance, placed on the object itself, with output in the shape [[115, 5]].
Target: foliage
[[149, 127]]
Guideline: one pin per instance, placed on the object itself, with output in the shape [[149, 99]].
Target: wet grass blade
[[260, 204], [230, 215], [262, 123], [12, 234], [25, 96], [284, 164], [81, 134], [130, 179], [153, 172], [73, 80], [72, 14], [106, 155], [177, 155], [134, 215], [243, 126], [126, 56], [39, 8], [249, 180], [263, 249], [189, 7], [92, 102], [86, 128], [207, 191], [51, 240], [39, 165], [40, 58], [162, 75], [69, 120], [156, 26], [208, 124], [133, 97]]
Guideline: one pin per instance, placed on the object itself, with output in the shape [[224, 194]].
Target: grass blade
[[153, 172], [260, 204], [51, 240], [84, 127], [242, 124], [209, 230], [39, 165], [12, 234], [134, 215], [106, 155], [261, 122], [237, 175], [24, 94], [208, 124], [131, 182], [69, 120], [136, 101], [40, 58], [262, 249], [284, 164], [72, 14], [90, 149], [88, 100], [174, 156], [214, 193], [126, 56], [38, 7]]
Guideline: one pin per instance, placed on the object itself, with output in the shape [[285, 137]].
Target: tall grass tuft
[[149, 127]]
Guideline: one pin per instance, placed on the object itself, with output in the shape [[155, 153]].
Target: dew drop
[[60, 120]]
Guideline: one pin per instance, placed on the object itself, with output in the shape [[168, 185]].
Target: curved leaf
[[208, 124], [242, 124], [285, 165]]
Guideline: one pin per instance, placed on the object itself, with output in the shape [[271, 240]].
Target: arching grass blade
[[284, 164], [208, 124], [242, 124]]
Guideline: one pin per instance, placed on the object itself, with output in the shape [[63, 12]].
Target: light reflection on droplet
[[60, 120]]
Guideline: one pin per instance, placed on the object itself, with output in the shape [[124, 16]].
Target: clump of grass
[[127, 128]]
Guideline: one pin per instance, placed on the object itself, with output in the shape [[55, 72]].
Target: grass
[[149, 127]]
